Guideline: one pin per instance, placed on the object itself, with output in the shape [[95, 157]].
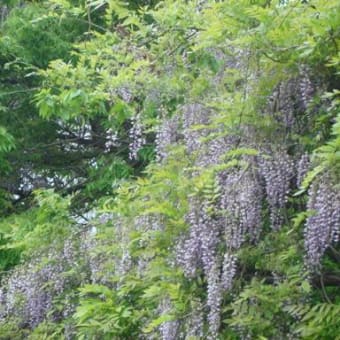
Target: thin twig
[[323, 289], [18, 91]]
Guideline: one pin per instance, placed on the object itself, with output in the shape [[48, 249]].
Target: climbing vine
[[213, 208]]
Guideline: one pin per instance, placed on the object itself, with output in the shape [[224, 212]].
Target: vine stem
[[324, 289]]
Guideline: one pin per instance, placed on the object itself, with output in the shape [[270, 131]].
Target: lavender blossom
[[167, 134], [195, 322], [306, 87], [214, 301], [168, 329], [241, 201], [302, 169], [193, 116], [200, 251], [228, 271], [137, 137], [323, 226], [277, 171]]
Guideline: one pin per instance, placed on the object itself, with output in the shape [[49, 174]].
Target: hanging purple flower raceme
[[137, 137], [214, 299], [323, 226], [277, 171], [212, 150], [168, 329], [199, 248], [251, 200], [210, 238], [228, 271], [189, 251], [200, 253], [29, 291], [195, 322], [306, 87], [167, 134], [302, 169], [286, 103], [241, 203], [195, 116]]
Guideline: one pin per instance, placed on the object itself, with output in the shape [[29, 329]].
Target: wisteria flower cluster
[[195, 116], [137, 137], [29, 291], [169, 329], [199, 252], [278, 171], [323, 225], [167, 134], [241, 203]]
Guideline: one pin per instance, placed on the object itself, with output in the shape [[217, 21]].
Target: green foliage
[[7, 144], [320, 320], [101, 315], [48, 330], [277, 281], [6, 141], [37, 229], [105, 176], [12, 330], [80, 69], [35, 39], [328, 154]]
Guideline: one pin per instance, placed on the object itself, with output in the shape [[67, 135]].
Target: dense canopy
[[169, 169]]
